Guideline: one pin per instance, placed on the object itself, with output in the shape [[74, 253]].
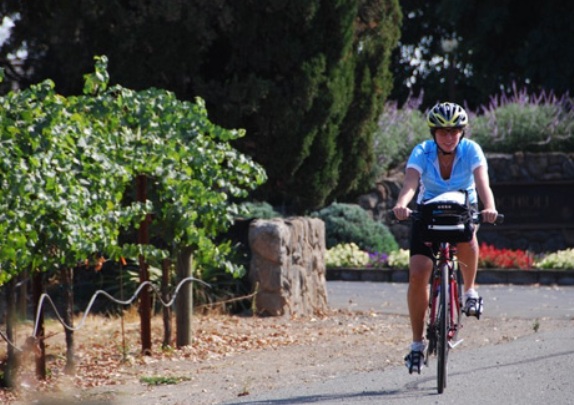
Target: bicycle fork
[[453, 314]]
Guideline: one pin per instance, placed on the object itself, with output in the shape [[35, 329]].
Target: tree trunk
[[165, 296], [145, 299], [145, 310], [40, 345], [68, 279], [11, 363], [23, 295], [184, 299]]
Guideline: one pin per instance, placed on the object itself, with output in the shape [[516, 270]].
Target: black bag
[[447, 218]]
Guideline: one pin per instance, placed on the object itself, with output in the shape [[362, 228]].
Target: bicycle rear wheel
[[442, 331]]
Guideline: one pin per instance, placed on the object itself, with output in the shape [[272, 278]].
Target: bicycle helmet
[[447, 115]]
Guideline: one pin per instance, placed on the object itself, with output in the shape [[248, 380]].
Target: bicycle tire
[[442, 332]]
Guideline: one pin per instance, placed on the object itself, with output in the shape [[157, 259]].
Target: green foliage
[[525, 123], [498, 43], [376, 35], [163, 380], [522, 122], [291, 94], [349, 223], [67, 164], [561, 260], [346, 255], [400, 129], [308, 92], [260, 210]]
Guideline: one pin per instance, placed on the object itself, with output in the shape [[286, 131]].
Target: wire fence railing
[[46, 299]]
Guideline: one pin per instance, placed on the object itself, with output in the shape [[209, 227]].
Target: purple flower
[[378, 259]]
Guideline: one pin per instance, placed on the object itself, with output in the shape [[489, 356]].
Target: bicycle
[[444, 312]]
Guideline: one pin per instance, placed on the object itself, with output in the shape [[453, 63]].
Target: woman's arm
[[485, 194], [407, 193]]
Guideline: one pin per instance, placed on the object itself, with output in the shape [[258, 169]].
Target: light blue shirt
[[424, 159]]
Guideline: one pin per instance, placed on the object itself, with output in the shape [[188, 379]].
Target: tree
[[375, 37], [56, 196], [308, 94], [304, 78], [490, 45], [68, 162]]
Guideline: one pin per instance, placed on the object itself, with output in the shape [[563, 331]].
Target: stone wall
[[534, 191], [288, 267]]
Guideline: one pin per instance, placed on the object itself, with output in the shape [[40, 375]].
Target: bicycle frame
[[446, 257], [444, 310]]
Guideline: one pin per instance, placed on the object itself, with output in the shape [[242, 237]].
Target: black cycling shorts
[[418, 247]]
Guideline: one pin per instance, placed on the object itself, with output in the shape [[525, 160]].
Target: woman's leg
[[420, 268], [468, 261]]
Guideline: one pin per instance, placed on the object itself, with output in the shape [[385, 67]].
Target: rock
[[288, 266]]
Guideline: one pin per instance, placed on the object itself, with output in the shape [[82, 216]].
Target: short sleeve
[[476, 156], [417, 159]]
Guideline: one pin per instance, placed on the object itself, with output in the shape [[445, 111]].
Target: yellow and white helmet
[[447, 115]]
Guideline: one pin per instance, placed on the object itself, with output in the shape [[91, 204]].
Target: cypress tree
[[376, 35], [307, 79]]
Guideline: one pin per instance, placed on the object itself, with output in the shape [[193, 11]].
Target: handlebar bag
[[447, 218]]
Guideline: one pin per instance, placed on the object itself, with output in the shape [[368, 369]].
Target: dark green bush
[[346, 223], [260, 210]]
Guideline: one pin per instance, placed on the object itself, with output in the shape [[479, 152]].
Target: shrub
[[399, 259], [563, 259], [492, 257], [378, 260], [512, 122], [400, 129], [525, 122], [349, 223], [261, 210], [346, 255]]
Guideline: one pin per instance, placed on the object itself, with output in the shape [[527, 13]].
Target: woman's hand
[[401, 212], [489, 215]]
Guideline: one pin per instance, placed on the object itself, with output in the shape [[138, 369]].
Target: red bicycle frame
[[446, 253]]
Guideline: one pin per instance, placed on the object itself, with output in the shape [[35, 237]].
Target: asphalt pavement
[[535, 369], [509, 301]]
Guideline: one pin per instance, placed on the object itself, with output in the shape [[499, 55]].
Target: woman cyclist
[[447, 162]]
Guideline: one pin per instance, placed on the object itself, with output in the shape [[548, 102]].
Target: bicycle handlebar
[[499, 219], [477, 217]]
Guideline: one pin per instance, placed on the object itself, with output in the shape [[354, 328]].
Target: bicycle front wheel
[[442, 331]]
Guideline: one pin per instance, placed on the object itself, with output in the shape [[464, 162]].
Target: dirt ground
[[232, 356]]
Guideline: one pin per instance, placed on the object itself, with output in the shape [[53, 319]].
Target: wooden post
[[10, 370], [68, 279], [184, 299], [40, 354], [165, 296], [145, 299]]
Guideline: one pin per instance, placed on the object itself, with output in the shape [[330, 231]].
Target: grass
[[163, 380]]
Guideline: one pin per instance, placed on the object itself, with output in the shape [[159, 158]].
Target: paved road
[[533, 370], [499, 300]]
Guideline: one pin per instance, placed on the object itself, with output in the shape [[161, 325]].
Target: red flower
[[491, 257]]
